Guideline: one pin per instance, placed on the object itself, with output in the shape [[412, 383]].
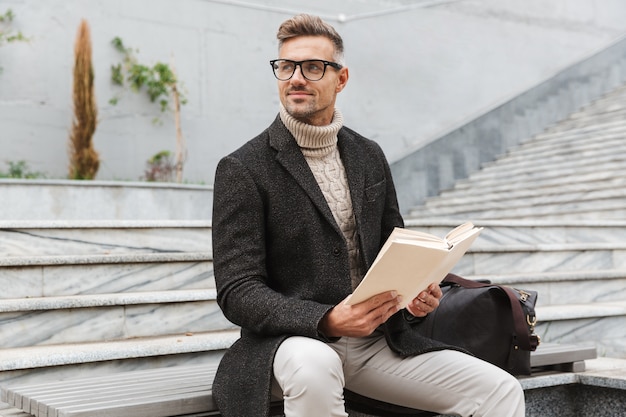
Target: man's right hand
[[361, 319]]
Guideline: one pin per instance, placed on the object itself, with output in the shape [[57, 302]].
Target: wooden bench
[[186, 390], [164, 392]]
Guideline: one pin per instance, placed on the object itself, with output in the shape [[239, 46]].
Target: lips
[[298, 93]]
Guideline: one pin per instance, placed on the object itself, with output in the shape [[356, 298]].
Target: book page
[[414, 235], [410, 266], [458, 232], [403, 269]]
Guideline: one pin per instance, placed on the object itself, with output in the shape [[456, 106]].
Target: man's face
[[311, 102]]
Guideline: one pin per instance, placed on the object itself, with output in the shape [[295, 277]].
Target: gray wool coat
[[280, 259]]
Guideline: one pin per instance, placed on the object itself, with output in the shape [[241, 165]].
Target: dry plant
[[84, 161], [181, 149]]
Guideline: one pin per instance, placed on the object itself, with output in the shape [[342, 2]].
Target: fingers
[[435, 291], [426, 302], [381, 307], [361, 319], [417, 308], [382, 299]]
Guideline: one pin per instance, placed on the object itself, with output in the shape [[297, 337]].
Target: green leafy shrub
[[20, 170], [160, 167], [160, 83]]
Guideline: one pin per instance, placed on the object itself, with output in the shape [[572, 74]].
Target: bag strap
[[524, 338]]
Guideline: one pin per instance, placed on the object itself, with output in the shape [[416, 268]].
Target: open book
[[410, 261]]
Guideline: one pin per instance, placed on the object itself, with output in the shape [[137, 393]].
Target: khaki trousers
[[310, 376]]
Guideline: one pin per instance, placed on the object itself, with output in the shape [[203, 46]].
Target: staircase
[[81, 297], [554, 213], [105, 296]]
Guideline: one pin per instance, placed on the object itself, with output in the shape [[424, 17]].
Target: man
[[300, 213]]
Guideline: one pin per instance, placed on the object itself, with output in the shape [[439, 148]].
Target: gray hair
[[307, 25]]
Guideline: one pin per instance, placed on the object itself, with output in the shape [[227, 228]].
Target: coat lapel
[[290, 157]]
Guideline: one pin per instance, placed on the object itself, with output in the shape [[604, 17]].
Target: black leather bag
[[494, 322]]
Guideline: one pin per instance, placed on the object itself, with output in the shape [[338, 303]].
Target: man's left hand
[[426, 301]]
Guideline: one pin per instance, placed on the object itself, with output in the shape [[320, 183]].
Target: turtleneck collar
[[315, 141]]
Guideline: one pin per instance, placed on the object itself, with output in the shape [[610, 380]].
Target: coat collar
[[290, 157]]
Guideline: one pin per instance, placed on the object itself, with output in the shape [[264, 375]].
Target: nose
[[297, 76]]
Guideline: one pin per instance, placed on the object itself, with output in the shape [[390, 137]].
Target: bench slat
[[112, 398], [158, 405], [556, 354], [109, 389], [162, 406], [38, 399]]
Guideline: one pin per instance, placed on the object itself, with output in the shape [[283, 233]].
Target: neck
[[313, 140]]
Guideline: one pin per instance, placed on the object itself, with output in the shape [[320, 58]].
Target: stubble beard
[[303, 112]]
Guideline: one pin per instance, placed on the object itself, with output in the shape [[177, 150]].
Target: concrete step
[[93, 318], [71, 200], [601, 324], [9, 411], [574, 131], [54, 362], [611, 102], [553, 154], [585, 174], [85, 281], [581, 198], [492, 260], [566, 287], [51, 238], [448, 199], [589, 117], [586, 120], [530, 232], [540, 168], [575, 170], [50, 276], [608, 209]]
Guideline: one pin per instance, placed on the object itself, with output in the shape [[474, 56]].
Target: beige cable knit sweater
[[319, 147]]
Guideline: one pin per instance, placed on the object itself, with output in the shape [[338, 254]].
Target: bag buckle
[[523, 295]]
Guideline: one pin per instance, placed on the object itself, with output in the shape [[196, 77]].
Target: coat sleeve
[[239, 259]]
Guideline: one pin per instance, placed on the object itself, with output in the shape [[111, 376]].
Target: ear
[[342, 80]]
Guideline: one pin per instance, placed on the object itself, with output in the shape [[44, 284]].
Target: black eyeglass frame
[[299, 63]]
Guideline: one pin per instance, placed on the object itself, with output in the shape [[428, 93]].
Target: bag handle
[[529, 341]]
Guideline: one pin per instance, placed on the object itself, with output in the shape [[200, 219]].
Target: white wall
[[416, 72]]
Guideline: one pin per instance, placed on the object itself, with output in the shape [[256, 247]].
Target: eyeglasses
[[312, 69]]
